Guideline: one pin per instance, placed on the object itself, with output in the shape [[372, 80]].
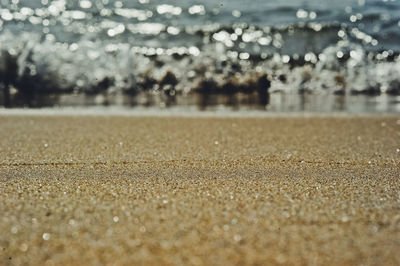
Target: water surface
[[180, 48]]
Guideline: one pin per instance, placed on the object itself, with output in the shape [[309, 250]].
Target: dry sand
[[199, 191]]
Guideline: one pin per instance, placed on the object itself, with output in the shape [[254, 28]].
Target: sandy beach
[[121, 190]]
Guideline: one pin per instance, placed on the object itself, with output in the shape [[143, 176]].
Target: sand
[[93, 190]]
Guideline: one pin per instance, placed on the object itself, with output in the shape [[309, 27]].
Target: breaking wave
[[105, 47]]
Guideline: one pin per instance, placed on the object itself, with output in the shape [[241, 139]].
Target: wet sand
[[199, 191]]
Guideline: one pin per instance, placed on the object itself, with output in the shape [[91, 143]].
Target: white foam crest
[[87, 66]]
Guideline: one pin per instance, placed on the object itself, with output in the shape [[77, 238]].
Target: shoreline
[[181, 112]]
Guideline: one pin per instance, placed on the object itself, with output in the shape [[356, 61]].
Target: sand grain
[[199, 191]]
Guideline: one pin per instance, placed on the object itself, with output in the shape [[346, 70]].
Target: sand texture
[[113, 190]]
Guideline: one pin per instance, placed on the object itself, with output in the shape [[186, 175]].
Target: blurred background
[[286, 55]]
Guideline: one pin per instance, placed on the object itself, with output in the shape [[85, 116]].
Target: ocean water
[[148, 52]]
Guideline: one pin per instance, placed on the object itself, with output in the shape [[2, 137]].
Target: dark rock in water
[[177, 56], [8, 74], [22, 72], [103, 85], [263, 83], [230, 87], [340, 92], [6, 96], [169, 78], [247, 85], [394, 88], [282, 78], [158, 63], [8, 68], [207, 87], [146, 82], [371, 91]]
